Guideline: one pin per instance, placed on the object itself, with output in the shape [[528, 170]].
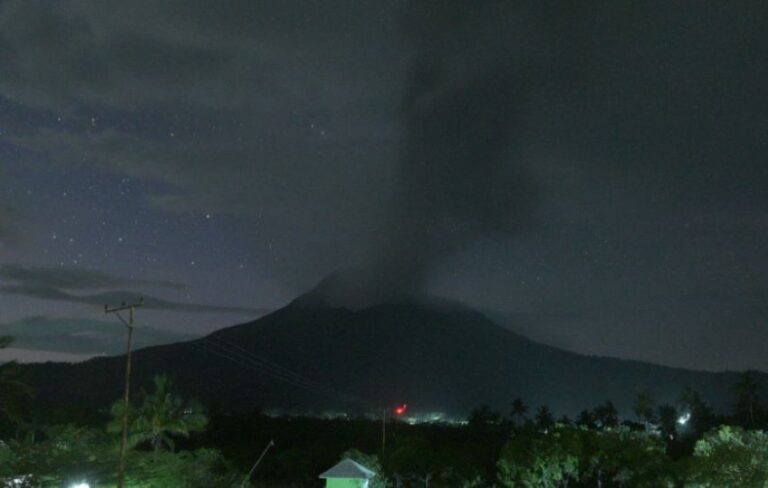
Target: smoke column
[[461, 178]]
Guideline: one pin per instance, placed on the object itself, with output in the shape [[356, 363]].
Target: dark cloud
[[5, 224], [236, 54], [81, 336], [118, 297], [255, 178], [311, 101], [461, 178], [595, 159], [303, 92], [72, 278], [9, 226]]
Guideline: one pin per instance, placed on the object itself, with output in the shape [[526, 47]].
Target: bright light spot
[[684, 418], [20, 481], [400, 409], [80, 485]]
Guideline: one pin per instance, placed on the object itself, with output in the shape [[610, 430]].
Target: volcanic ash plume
[[460, 178]]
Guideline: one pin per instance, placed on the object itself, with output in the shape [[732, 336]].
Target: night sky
[[592, 176]]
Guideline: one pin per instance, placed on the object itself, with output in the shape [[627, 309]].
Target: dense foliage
[[67, 455], [13, 392], [161, 417], [173, 443]]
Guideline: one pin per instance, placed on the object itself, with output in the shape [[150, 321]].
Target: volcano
[[433, 355]]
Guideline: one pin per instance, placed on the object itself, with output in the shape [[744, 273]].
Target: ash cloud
[[462, 174]]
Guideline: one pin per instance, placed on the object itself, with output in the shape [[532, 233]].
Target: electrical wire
[[227, 350]]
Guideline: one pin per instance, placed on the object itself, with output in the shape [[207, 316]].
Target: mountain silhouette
[[433, 355]]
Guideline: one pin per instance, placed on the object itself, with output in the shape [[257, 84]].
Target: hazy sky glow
[[221, 158]]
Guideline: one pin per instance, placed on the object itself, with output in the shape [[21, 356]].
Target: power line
[[282, 370], [247, 363], [260, 359], [244, 361], [233, 352], [291, 375]]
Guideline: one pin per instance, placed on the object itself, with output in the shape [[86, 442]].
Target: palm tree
[[519, 409], [161, 417], [544, 418], [484, 415], [747, 397], [586, 419], [643, 406], [606, 415], [12, 391]]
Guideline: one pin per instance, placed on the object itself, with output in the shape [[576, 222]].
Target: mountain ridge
[[447, 358]]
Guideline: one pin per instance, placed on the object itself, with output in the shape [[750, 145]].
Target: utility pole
[[126, 399], [250, 473], [383, 429]]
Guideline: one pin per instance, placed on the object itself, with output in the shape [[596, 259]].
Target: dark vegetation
[[175, 442], [432, 356]]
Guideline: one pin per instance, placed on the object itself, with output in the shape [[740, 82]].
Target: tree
[[544, 419], [701, 416], [519, 410], [577, 455], [484, 416], [622, 457], [70, 454], [643, 407], [12, 390], [470, 464], [485, 421], [370, 461], [161, 416], [202, 468], [747, 396], [606, 415], [668, 421], [586, 419], [730, 456], [414, 458], [66, 453], [541, 460]]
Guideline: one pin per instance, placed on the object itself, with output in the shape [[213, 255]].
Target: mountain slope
[[436, 357]]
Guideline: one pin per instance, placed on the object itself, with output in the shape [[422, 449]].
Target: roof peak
[[348, 468]]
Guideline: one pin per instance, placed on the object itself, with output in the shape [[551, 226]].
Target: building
[[347, 474]]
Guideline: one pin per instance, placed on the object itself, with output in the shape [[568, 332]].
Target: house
[[347, 474]]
